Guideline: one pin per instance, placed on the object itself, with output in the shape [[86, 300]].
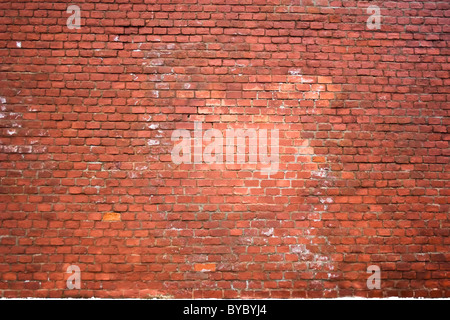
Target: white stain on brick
[[300, 249], [138, 48], [152, 142], [318, 257], [10, 149], [268, 232], [155, 93], [160, 134], [295, 72], [306, 80], [322, 173], [133, 175], [19, 44], [16, 125], [11, 132], [157, 62], [141, 167], [320, 87], [326, 200]]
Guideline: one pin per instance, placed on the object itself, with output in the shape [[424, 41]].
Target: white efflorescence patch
[[300, 249], [160, 134], [152, 142], [321, 173], [268, 233], [11, 132], [141, 167], [133, 175], [19, 44], [326, 200]]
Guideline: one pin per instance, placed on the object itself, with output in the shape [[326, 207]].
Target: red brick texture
[[87, 177]]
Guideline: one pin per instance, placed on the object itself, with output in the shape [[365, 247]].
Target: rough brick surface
[[87, 178]]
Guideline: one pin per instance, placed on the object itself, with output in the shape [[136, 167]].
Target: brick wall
[[87, 177]]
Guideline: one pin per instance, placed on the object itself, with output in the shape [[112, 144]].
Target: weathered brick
[[87, 177]]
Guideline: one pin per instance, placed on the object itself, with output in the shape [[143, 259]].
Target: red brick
[[86, 170]]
